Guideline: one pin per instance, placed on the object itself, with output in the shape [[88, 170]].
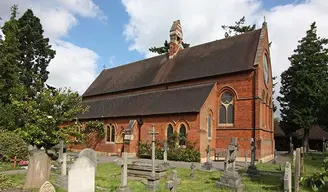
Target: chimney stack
[[176, 38]]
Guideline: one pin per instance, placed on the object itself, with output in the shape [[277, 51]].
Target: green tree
[[35, 52], [165, 48], [238, 28], [304, 85], [9, 54], [42, 116]]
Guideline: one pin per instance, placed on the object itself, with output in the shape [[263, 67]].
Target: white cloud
[[79, 62], [201, 22], [111, 61], [73, 66]]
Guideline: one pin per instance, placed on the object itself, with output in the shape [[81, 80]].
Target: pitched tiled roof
[[316, 133], [177, 100], [210, 59]]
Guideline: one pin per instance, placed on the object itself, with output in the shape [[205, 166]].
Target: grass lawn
[[7, 166], [108, 178]]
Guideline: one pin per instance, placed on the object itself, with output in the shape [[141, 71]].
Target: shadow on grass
[[266, 181]]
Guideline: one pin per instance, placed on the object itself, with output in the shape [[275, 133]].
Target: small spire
[[104, 66], [264, 24]]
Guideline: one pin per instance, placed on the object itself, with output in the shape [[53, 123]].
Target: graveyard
[[111, 176], [224, 105]]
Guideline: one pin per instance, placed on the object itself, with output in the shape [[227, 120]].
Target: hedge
[[12, 145], [174, 154]]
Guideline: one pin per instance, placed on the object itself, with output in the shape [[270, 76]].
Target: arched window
[[226, 109], [169, 132], [182, 134], [209, 126], [110, 133]]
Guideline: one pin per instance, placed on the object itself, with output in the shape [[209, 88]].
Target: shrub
[[174, 154], [12, 145], [5, 182]]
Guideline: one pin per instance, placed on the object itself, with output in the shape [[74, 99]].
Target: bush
[[12, 145], [174, 154], [5, 182]]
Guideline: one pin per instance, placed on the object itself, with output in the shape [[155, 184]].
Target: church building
[[208, 93]]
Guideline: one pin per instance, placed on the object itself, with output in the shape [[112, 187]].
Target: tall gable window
[[226, 112], [209, 126], [182, 134], [110, 133], [169, 132]]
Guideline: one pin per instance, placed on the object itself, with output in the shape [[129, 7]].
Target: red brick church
[[209, 93]]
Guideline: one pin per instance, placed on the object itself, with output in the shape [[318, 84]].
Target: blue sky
[[107, 39]]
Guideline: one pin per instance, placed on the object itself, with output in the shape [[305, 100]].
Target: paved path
[[13, 172]]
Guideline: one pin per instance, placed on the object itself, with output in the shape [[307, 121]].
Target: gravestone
[[165, 154], [302, 160], [38, 170], [153, 181], [231, 155], [62, 157], [231, 179], [192, 167], [90, 154], [294, 157], [291, 146], [275, 157], [124, 174], [288, 178], [81, 176], [245, 155], [208, 164], [297, 170], [47, 187], [173, 181]]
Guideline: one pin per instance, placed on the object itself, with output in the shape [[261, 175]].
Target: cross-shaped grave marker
[[153, 133], [124, 173], [173, 182], [15, 160]]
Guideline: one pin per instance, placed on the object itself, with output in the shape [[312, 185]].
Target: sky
[[89, 35]]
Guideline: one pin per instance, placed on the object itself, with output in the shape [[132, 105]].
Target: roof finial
[[264, 24], [104, 66]]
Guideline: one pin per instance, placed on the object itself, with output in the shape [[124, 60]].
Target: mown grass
[[108, 178], [7, 166]]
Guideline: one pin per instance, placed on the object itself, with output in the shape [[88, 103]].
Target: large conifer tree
[[35, 52], [304, 85]]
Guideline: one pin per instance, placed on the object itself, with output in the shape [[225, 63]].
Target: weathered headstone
[[90, 154], [81, 176], [297, 170], [38, 170], [294, 157], [173, 181], [291, 146], [165, 154], [323, 144], [302, 160], [124, 174], [153, 181], [245, 155], [231, 179], [275, 157], [47, 187], [288, 178], [208, 164], [192, 167], [231, 155], [62, 158]]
